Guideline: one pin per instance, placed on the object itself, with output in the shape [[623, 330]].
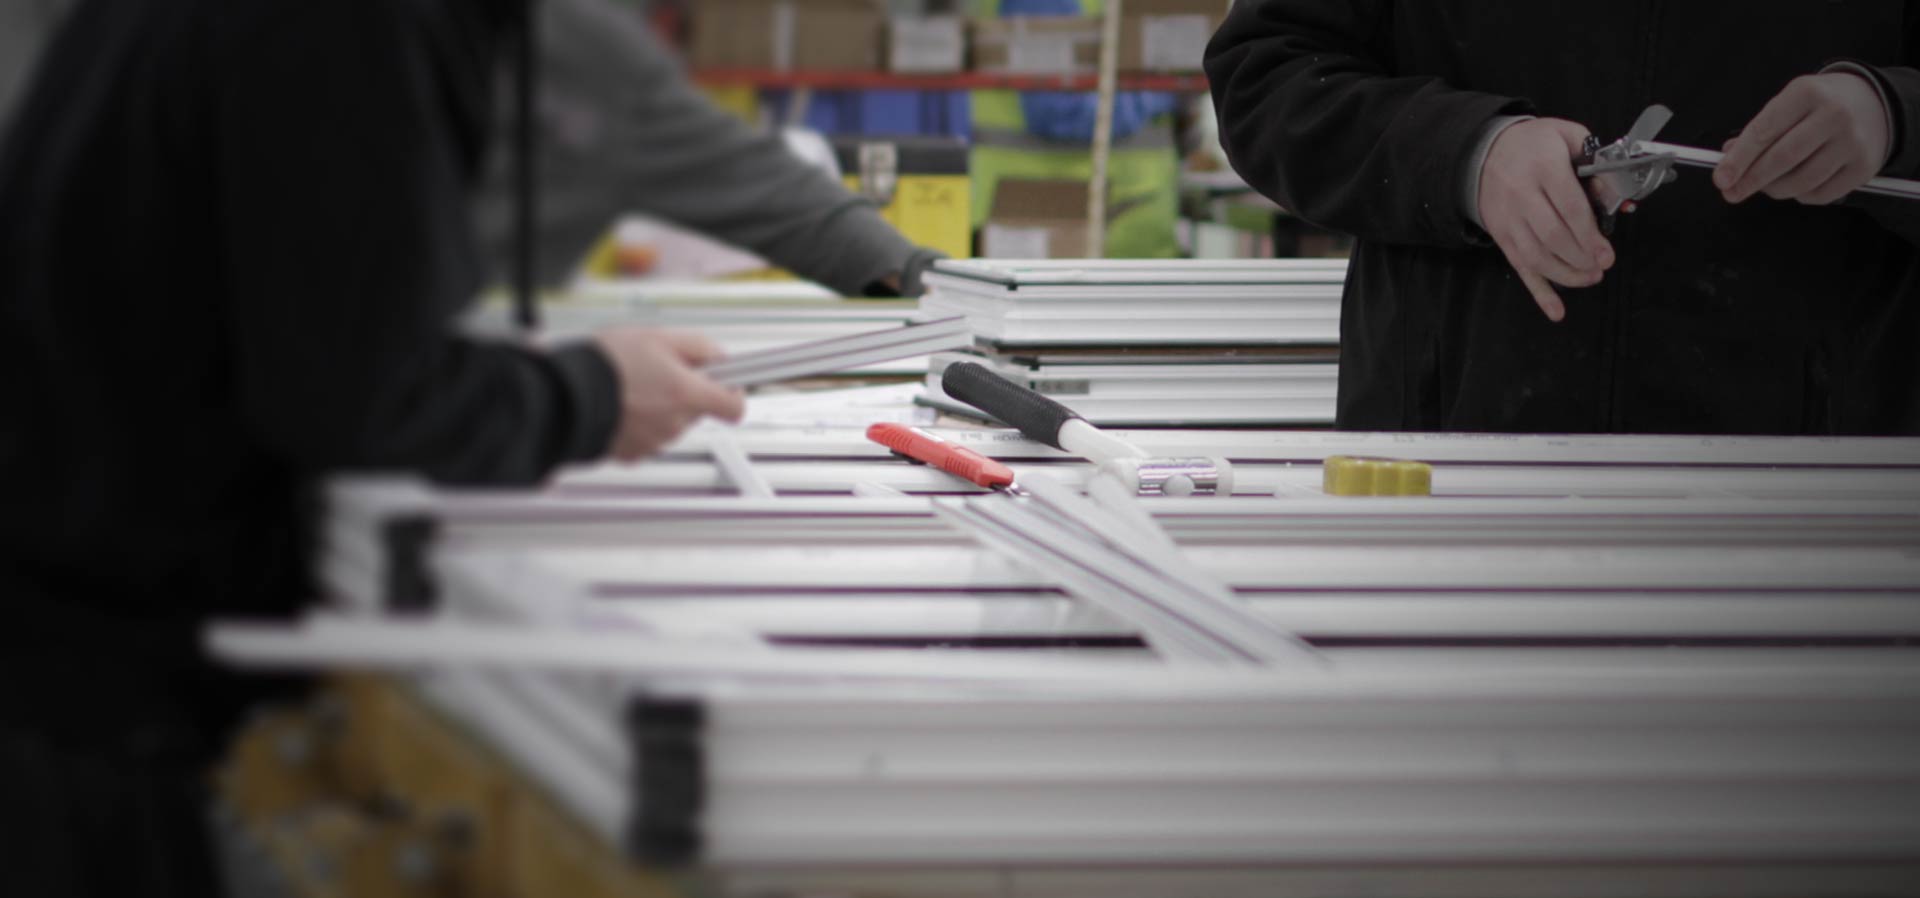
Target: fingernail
[[1722, 179]]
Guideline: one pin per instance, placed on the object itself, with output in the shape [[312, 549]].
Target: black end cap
[[407, 539], [669, 783]]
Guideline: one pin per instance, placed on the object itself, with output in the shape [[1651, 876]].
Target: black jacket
[[233, 236], [1767, 317]]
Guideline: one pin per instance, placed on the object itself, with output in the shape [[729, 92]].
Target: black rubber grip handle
[[1035, 415]]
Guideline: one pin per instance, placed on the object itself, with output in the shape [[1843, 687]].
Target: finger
[[1544, 296], [704, 396], [647, 441], [1537, 286], [1796, 146], [1570, 203], [694, 349], [1534, 255], [1843, 182], [1781, 113], [1818, 169], [1574, 134], [631, 448]]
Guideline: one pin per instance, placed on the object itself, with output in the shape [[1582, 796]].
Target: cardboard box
[[1036, 45], [926, 44], [1167, 36], [788, 35], [1036, 219]]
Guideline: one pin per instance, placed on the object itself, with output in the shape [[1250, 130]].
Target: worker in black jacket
[[1481, 294], [233, 237]]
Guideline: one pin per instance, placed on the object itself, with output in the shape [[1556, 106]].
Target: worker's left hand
[[1814, 142]]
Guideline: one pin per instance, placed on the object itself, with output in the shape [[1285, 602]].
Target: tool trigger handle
[[1603, 213]]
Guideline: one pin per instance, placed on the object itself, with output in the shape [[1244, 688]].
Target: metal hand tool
[[1620, 174]]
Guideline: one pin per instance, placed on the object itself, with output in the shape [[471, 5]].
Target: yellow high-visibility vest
[[1142, 170]]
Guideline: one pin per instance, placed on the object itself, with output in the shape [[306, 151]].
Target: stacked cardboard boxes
[[1036, 219], [926, 45], [1156, 36], [789, 35], [1167, 36]]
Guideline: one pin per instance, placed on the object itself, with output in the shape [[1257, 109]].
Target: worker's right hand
[[1534, 208], [661, 388]]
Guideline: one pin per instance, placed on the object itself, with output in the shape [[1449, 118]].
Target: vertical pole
[[526, 310], [1103, 131]]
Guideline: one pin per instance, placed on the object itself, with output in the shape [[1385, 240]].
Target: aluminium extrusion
[[827, 356], [1156, 272], [1432, 568], [1446, 755], [787, 475], [1546, 774], [1097, 575], [1584, 450], [1594, 768], [1705, 158]]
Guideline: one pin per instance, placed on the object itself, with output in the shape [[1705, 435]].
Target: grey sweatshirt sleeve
[[622, 129]]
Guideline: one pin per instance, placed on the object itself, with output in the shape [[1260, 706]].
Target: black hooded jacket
[[1767, 317], [234, 235]]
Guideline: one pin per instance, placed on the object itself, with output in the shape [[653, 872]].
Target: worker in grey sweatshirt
[[621, 129]]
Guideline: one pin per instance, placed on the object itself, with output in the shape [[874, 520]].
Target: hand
[[1814, 142], [1537, 213], [661, 390]]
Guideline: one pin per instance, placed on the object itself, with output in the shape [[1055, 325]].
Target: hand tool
[[923, 446], [1056, 425], [1622, 173]]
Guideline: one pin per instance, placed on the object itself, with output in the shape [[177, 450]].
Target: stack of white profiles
[[1184, 343], [1677, 665], [742, 318]]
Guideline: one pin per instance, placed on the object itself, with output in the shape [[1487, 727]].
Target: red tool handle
[[919, 445]]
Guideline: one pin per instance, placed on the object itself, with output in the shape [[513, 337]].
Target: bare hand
[[1537, 213], [1815, 141], [661, 389]]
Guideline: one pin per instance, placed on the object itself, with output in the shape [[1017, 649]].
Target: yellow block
[[1344, 475], [931, 210], [742, 100]]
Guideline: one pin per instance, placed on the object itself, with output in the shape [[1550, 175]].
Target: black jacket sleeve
[[1900, 85], [1313, 115], [343, 185]]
